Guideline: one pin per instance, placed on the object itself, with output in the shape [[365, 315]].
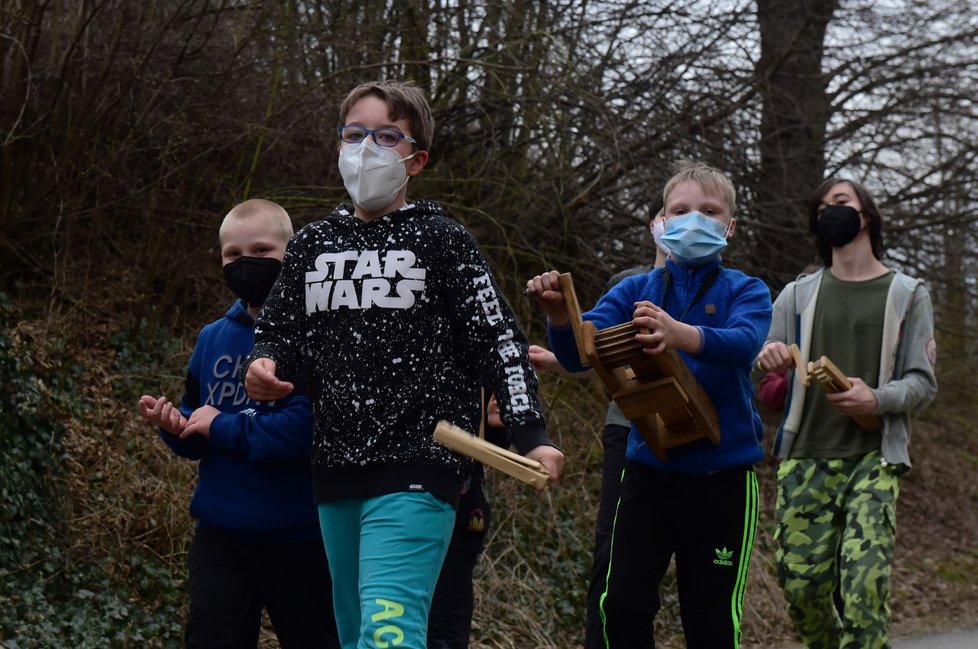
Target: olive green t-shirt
[[848, 329]]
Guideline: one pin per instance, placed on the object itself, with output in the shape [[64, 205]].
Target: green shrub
[[55, 591]]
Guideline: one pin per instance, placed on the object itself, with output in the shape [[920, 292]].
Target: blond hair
[[713, 181], [260, 207], [403, 99]]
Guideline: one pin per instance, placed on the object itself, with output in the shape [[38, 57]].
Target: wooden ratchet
[[461, 441]]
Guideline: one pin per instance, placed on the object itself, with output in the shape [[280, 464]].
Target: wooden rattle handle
[[461, 441], [833, 380]]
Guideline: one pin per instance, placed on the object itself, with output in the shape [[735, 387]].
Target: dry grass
[[128, 498]]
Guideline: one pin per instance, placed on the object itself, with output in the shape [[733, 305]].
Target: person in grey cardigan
[[838, 482]]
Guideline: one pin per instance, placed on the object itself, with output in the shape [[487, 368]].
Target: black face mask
[[252, 278], [838, 225]]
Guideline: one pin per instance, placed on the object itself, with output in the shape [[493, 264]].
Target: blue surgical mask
[[694, 239], [659, 229]]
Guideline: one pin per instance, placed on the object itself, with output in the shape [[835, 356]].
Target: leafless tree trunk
[[794, 114]]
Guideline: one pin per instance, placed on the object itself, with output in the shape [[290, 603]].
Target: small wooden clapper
[[833, 380], [799, 365], [461, 441], [658, 393]]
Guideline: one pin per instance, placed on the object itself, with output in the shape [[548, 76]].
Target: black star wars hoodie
[[399, 321]]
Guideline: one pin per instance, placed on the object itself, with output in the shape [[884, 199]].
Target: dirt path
[[964, 639], [961, 639]]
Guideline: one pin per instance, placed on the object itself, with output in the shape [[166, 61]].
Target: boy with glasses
[[398, 316], [701, 504]]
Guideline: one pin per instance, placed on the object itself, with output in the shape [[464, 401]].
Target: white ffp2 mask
[[372, 174]]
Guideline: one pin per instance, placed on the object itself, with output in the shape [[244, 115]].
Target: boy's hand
[[200, 422], [546, 288], [262, 384], [162, 413], [774, 357], [666, 332], [493, 416], [857, 400], [551, 459], [543, 359]]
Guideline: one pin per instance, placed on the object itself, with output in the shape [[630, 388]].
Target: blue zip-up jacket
[[255, 475], [733, 317]]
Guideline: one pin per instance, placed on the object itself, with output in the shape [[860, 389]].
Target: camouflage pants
[[835, 536]]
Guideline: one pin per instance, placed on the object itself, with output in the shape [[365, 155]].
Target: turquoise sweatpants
[[385, 554]]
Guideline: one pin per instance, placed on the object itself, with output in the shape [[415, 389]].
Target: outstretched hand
[[262, 384], [774, 357], [544, 360], [546, 289], [200, 422], [163, 413]]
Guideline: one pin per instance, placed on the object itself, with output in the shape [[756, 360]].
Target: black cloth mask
[[252, 278], [838, 225]]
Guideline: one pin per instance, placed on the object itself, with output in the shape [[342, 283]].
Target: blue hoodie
[[732, 331], [255, 476]]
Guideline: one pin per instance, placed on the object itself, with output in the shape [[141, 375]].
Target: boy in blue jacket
[[257, 542], [701, 504]]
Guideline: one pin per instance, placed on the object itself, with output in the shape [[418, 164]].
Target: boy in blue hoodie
[[257, 542], [701, 504]]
